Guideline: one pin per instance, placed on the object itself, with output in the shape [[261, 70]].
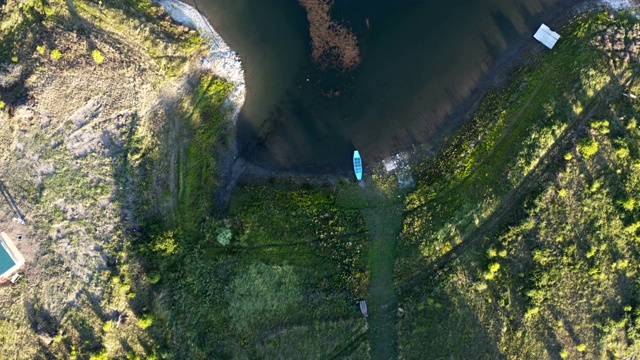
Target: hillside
[[88, 92]]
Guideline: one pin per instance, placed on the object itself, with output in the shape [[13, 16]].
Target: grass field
[[528, 246]]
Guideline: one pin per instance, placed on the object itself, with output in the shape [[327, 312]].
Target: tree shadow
[[11, 202]]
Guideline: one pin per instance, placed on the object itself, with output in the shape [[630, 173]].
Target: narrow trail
[[382, 213], [384, 224]]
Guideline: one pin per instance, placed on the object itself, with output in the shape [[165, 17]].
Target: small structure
[[363, 308], [546, 36], [10, 259]]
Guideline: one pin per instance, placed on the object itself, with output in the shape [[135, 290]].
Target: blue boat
[[357, 165]]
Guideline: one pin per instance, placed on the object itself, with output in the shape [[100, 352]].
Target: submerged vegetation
[[520, 239]]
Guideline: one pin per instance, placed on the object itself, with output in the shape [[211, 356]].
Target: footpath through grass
[[381, 209]]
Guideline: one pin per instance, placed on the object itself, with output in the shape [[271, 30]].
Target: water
[[420, 61]]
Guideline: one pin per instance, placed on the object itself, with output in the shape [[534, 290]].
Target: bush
[[145, 321], [153, 277], [224, 236], [629, 204], [107, 326], [97, 56], [99, 356], [602, 126], [564, 354], [166, 244], [55, 54], [493, 270], [587, 147]]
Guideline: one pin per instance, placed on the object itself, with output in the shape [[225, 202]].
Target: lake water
[[420, 61]]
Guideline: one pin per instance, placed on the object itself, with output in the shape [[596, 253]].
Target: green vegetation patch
[[198, 179], [529, 243], [263, 293]]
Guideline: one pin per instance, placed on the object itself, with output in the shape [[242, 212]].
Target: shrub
[[153, 277], [97, 56], [582, 347], [493, 269], [131, 355], [568, 156], [532, 312], [55, 54], [602, 126], [564, 354], [224, 236], [107, 326], [587, 147], [166, 244], [629, 204], [99, 356], [145, 321], [40, 49]]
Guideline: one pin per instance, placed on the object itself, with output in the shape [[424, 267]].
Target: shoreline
[[221, 59], [225, 63], [496, 79]]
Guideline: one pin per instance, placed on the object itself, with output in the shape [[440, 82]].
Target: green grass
[[198, 178], [547, 265], [513, 130], [270, 281]]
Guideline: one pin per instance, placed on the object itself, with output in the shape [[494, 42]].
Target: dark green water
[[421, 63]]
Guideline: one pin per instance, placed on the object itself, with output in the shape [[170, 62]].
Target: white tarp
[[546, 36]]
